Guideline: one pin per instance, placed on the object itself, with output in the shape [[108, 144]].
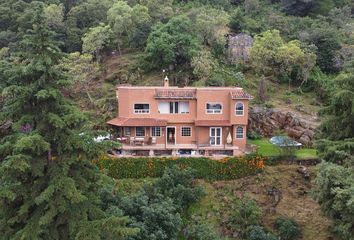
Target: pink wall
[[130, 95]]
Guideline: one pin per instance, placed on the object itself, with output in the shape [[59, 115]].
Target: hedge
[[205, 168]]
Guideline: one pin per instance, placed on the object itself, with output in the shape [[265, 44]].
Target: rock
[[266, 121], [304, 139], [294, 133], [238, 47]]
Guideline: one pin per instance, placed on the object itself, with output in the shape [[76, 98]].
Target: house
[[190, 120]]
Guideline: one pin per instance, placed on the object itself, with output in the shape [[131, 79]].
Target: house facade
[[171, 120]]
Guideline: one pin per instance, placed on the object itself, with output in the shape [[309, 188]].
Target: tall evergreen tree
[[48, 187]]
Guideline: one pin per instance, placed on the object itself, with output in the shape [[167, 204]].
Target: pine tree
[[48, 187]]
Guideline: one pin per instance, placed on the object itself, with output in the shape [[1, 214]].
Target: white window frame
[[237, 112], [215, 137], [136, 128], [237, 136], [190, 131], [213, 111], [153, 133], [141, 111], [125, 132]]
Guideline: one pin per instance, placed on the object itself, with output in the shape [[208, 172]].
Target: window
[[141, 108], [140, 132], [155, 131], [173, 107], [239, 109], [186, 131], [239, 132], [127, 131], [213, 108]]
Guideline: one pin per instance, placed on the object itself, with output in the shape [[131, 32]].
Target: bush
[[205, 168], [245, 213], [258, 233], [253, 135], [287, 228], [201, 231], [156, 209]]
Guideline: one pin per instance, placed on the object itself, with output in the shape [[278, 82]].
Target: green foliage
[[96, 39], [156, 208], [244, 214], [201, 231], [204, 168], [204, 64], [339, 124], [173, 43], [271, 55], [335, 193], [287, 228], [258, 233], [339, 152], [48, 186]]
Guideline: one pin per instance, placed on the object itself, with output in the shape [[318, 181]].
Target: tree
[[326, 39], [96, 39], [262, 90], [48, 189], [157, 209], [203, 65], [142, 23], [54, 16], [211, 26], [173, 43], [288, 228], [298, 7], [271, 55], [335, 178], [335, 193], [119, 17], [159, 10], [246, 213]]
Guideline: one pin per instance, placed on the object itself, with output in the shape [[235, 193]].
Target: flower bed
[[205, 168]]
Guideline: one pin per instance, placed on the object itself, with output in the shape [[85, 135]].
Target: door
[[171, 135], [215, 136]]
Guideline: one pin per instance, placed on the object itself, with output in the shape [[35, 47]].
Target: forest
[[60, 61]]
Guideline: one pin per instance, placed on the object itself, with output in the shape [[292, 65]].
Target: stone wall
[[267, 121]]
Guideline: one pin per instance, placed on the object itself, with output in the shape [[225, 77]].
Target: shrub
[[201, 231], [287, 228], [258, 233], [245, 213], [156, 209], [204, 168]]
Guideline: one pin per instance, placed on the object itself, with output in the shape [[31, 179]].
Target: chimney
[[166, 82]]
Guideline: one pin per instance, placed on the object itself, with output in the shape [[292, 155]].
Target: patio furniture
[[139, 141], [122, 139]]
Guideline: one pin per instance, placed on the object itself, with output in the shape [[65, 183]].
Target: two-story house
[[189, 120]]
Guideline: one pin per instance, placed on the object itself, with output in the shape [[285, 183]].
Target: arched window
[[239, 132], [239, 109]]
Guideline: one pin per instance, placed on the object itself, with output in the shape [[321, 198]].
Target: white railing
[[141, 111], [213, 111]]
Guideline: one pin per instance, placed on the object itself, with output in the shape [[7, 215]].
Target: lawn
[[265, 148]]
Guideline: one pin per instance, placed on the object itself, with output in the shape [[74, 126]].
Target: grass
[[267, 149]]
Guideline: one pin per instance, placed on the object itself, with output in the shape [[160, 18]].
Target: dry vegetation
[[295, 201]]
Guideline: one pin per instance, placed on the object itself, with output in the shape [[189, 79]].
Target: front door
[[215, 136], [171, 135]]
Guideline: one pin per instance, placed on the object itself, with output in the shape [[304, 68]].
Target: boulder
[[294, 133], [304, 139]]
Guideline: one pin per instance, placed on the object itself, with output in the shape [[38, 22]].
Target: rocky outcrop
[[267, 121], [238, 47]]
